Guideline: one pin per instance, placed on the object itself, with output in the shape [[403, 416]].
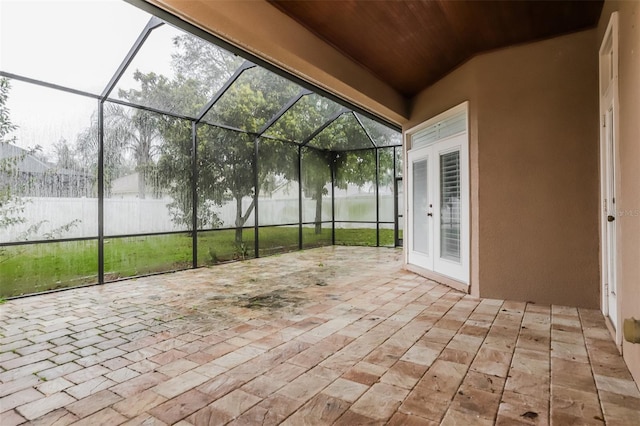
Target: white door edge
[[609, 131]]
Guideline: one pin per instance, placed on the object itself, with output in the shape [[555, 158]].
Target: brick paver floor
[[337, 335]]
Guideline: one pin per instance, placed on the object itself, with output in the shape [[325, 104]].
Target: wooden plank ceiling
[[410, 44]]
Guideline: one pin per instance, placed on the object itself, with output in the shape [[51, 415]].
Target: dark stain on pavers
[[272, 300]]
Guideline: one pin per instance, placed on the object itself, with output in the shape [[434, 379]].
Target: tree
[[142, 127], [11, 206], [65, 155], [6, 127], [115, 140], [199, 62], [175, 175], [299, 123], [227, 169], [248, 104], [316, 174], [225, 157], [12, 182]]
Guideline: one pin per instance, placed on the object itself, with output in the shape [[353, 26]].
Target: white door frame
[[609, 131], [459, 273]]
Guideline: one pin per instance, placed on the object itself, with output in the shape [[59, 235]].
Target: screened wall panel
[[35, 268], [48, 165], [387, 235], [147, 174], [278, 180], [399, 161], [225, 179], [147, 190], [386, 184], [362, 234], [132, 256], [278, 239], [355, 196], [220, 246], [316, 186], [314, 237]]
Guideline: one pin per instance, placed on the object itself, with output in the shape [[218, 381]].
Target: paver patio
[[336, 335]]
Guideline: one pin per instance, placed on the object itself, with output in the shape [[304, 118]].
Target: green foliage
[[198, 61], [11, 205], [226, 159], [6, 127], [226, 170], [255, 97], [345, 133], [303, 118]]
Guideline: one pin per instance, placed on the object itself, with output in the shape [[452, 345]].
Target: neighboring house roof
[[29, 163]]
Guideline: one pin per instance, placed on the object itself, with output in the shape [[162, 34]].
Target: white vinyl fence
[[52, 218]]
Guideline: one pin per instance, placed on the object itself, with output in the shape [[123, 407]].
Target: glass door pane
[[420, 194], [450, 206]]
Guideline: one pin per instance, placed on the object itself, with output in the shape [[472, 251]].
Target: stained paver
[[336, 335]]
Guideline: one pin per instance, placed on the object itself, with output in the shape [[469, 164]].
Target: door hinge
[[604, 120]]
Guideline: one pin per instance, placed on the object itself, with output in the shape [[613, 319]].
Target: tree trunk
[[142, 185], [318, 219], [143, 156]]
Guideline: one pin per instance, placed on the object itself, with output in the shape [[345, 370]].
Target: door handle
[[611, 218], [429, 214]]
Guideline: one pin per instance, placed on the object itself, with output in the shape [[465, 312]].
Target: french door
[[438, 208]]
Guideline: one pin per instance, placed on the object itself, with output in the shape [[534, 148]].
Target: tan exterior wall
[[538, 159], [534, 173], [258, 27], [628, 176]]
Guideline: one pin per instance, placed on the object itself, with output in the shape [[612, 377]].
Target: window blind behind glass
[[442, 129], [450, 206]]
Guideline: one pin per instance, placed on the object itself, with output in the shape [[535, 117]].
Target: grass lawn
[[40, 267]]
